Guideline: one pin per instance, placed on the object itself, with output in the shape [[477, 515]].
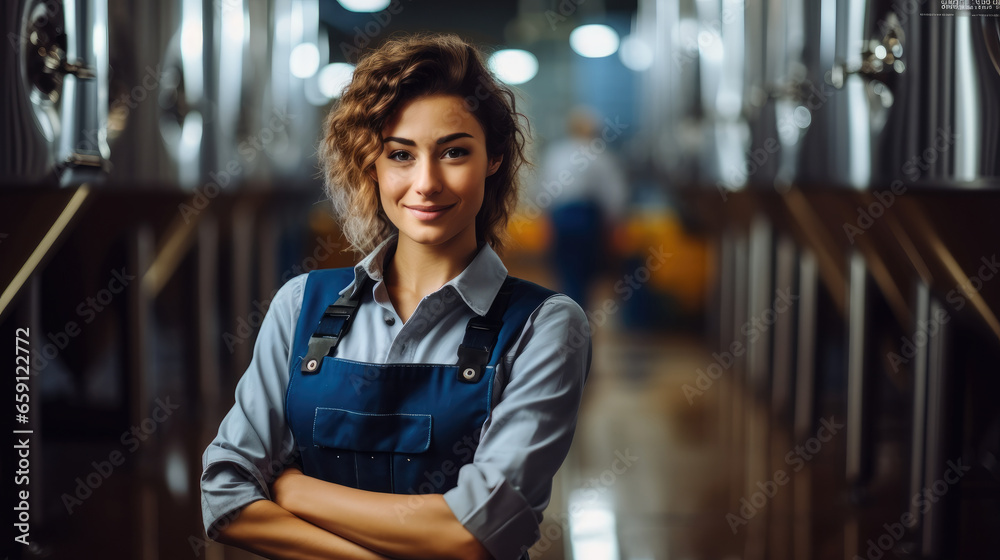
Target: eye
[[400, 155], [453, 153]]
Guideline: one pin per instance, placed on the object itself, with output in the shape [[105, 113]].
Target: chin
[[432, 236], [427, 237]]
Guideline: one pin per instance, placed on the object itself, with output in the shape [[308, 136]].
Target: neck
[[421, 269]]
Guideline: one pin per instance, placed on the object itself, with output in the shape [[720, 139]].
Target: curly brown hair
[[387, 78]]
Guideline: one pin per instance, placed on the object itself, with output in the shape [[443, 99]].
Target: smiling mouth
[[430, 208], [428, 212]]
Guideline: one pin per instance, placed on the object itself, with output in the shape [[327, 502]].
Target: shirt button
[[390, 320]]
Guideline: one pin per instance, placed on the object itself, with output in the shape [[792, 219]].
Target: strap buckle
[[481, 335], [471, 363], [333, 325]]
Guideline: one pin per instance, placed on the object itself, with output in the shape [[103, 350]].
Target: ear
[[495, 162], [373, 174]]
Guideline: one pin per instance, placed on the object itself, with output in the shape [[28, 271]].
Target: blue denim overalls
[[399, 428]]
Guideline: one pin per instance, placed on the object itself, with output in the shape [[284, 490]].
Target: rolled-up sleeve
[[254, 443], [501, 494]]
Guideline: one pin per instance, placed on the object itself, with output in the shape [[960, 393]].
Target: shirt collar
[[371, 265], [477, 285]]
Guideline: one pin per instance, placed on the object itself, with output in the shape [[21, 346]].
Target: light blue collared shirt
[[501, 494]]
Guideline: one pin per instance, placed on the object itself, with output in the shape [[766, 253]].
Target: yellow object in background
[[530, 236], [685, 273]]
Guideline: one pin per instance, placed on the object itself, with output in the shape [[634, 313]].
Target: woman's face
[[432, 172]]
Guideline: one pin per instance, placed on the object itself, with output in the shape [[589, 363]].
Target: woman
[[418, 404]]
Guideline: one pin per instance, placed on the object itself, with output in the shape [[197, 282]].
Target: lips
[[430, 208], [425, 213]]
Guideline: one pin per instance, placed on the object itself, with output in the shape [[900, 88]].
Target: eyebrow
[[442, 140]]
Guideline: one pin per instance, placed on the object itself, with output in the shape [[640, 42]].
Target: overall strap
[[335, 320], [488, 337], [481, 334]]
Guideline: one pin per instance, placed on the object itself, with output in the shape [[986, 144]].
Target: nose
[[427, 178]]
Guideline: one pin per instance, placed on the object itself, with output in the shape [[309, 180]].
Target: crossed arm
[[303, 522]]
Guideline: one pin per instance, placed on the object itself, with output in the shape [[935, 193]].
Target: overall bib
[[398, 427]]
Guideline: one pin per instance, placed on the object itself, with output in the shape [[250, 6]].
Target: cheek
[[471, 177], [388, 185], [477, 192]]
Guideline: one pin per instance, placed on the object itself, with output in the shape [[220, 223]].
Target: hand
[[282, 488]]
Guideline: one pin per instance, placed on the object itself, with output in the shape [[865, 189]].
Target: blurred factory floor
[[646, 477], [665, 468], [647, 474]]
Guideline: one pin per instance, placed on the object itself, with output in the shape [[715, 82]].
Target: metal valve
[[46, 58]]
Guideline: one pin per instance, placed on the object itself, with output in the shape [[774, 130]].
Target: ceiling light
[[364, 5], [513, 66], [304, 61], [333, 78], [635, 54], [594, 40]]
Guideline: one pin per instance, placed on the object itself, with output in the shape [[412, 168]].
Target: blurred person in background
[[352, 435], [589, 196]]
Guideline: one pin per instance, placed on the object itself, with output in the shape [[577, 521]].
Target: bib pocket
[[358, 448]]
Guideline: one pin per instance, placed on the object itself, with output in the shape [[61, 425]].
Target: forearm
[[400, 526], [269, 530]]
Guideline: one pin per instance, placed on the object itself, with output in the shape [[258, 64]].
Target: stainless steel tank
[[943, 128], [55, 91], [853, 57], [205, 99]]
